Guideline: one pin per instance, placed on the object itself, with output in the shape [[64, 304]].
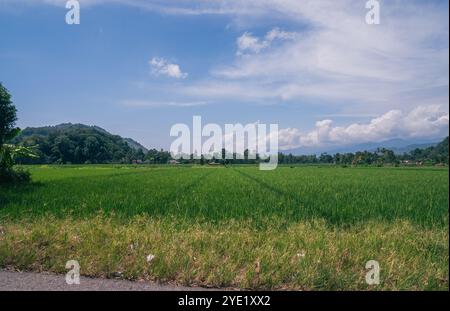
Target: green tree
[[8, 117], [8, 152]]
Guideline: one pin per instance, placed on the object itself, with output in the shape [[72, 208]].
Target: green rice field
[[299, 228]]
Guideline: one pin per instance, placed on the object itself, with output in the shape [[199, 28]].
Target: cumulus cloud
[[160, 66], [249, 43], [421, 122]]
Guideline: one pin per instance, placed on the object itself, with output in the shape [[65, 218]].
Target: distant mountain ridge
[[398, 146], [409, 148]]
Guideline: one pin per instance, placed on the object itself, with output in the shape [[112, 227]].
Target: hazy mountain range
[[399, 146]]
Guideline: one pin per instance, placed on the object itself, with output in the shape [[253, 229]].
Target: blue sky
[[316, 68]]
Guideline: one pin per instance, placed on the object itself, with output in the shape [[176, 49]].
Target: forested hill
[[438, 153], [78, 143]]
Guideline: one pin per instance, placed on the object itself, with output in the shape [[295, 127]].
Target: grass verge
[[307, 255]]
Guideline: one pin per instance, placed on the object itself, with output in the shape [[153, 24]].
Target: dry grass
[[303, 256]]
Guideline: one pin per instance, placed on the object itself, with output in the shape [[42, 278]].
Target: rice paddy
[[302, 228]]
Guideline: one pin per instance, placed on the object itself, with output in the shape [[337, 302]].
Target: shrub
[[14, 175]]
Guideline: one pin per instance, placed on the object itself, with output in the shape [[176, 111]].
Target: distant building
[[173, 162], [412, 162]]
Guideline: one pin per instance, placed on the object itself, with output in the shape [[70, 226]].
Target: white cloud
[[339, 59], [249, 43], [334, 55], [421, 122], [160, 66], [333, 58]]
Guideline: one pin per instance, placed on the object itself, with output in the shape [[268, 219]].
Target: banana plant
[[9, 153]]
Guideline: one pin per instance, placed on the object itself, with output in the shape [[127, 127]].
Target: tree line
[[435, 155], [81, 144], [426, 156]]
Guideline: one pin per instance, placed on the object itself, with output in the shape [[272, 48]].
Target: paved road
[[29, 281]]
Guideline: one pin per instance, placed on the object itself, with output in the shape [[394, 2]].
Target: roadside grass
[[302, 256], [307, 228]]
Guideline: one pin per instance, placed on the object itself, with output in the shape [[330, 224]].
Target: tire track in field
[[173, 197], [290, 195], [274, 189]]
